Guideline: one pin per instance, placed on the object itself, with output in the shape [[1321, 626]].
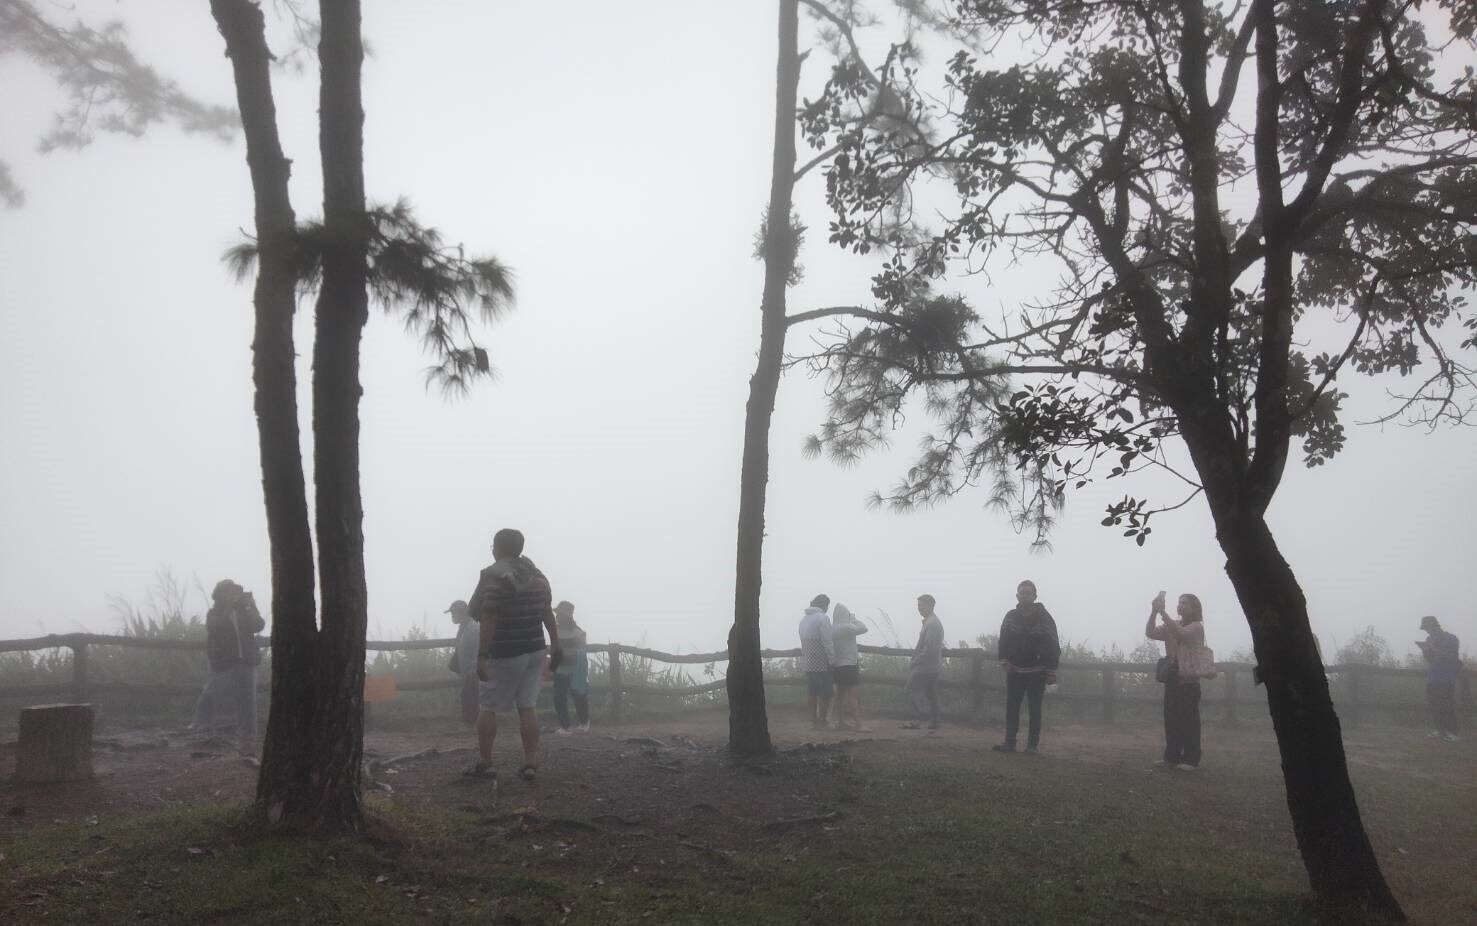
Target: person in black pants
[[1181, 695], [1029, 653]]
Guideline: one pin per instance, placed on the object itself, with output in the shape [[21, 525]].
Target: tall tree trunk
[[1341, 864], [1342, 869], [748, 725], [274, 375], [338, 743]]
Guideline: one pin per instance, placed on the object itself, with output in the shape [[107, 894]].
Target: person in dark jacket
[[231, 626], [1029, 653], [1442, 652]]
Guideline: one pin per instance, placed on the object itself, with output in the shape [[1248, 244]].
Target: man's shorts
[[512, 683], [847, 676], [819, 684]]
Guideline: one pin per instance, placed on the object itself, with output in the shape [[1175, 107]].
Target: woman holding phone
[[1181, 692]]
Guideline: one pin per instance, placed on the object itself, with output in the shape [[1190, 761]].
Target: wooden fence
[[1224, 698]]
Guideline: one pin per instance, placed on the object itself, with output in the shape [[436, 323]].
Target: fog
[[617, 158]]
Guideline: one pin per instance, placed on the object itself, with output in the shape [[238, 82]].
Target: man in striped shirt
[[512, 605]]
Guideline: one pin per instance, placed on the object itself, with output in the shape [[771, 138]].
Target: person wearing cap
[[464, 658], [231, 626], [512, 605], [1442, 652]]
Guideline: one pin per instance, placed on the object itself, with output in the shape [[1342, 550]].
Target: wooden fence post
[[1231, 718], [977, 683], [1109, 693], [615, 684], [79, 670]]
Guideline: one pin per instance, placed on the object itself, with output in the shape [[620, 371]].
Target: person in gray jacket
[[846, 667], [928, 661]]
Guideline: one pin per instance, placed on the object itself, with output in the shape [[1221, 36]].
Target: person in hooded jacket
[[1029, 653], [231, 626], [846, 667]]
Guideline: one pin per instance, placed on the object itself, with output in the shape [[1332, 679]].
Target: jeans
[[1030, 686], [1182, 724], [237, 683], [562, 691], [1441, 696], [923, 689]]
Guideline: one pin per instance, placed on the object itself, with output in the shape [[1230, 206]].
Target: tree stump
[[55, 744]]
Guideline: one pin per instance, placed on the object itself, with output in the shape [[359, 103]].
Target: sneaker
[[562, 731], [583, 728], [480, 771], [1186, 767], [1032, 750], [1450, 737], [1163, 763], [1434, 735], [1003, 747], [910, 725]]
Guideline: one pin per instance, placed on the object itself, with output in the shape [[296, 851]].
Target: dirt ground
[[663, 799], [620, 778]]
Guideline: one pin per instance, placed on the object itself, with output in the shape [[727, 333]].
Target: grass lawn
[[914, 831]]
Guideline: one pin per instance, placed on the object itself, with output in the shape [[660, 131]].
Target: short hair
[[563, 606], [821, 601], [1026, 582], [1196, 612], [509, 541], [1430, 621], [927, 599]]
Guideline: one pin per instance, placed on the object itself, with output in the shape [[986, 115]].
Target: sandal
[[481, 771], [528, 773]]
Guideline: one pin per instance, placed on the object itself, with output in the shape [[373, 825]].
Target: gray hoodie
[[928, 655]]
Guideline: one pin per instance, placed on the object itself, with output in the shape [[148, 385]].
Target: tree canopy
[[1114, 148]]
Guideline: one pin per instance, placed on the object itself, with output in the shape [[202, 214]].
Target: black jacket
[[1028, 638], [230, 634]]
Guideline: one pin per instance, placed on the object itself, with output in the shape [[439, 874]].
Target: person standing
[[464, 659], [817, 655], [1181, 694], [846, 667], [572, 678], [1442, 652], [512, 607], [1029, 654], [928, 662], [231, 626]]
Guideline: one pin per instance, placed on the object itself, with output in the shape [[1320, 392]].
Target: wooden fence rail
[[1350, 683]]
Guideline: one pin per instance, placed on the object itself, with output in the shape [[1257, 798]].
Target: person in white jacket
[[817, 655], [846, 669]]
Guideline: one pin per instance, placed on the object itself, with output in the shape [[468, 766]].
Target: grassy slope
[[958, 836]]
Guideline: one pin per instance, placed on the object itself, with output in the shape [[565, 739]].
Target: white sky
[[617, 157]]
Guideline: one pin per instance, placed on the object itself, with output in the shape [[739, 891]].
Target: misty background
[[617, 158]]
